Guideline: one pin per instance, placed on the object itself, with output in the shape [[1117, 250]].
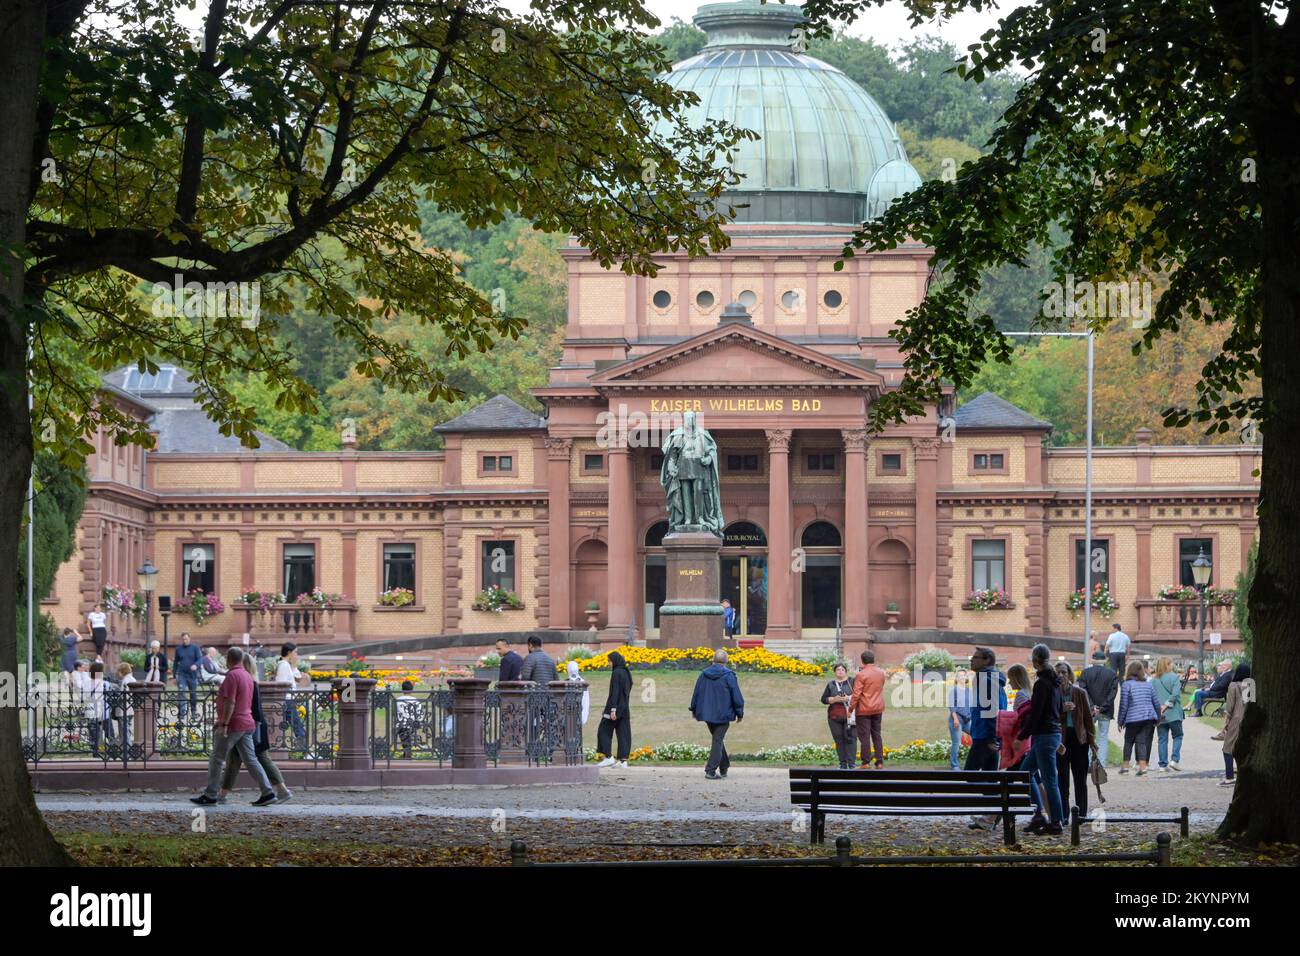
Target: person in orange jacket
[[868, 704]]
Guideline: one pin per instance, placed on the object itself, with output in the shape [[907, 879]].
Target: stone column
[[469, 698], [513, 720], [622, 542], [146, 698], [558, 452], [855, 621], [780, 546], [354, 722], [925, 594], [272, 694]]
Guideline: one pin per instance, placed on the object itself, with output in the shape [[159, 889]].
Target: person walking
[[286, 672], [1117, 645], [574, 673], [988, 699], [233, 728], [261, 747], [511, 663], [1169, 696], [728, 619], [98, 715], [98, 622], [717, 701], [155, 664], [1042, 727], [1139, 712], [185, 665], [1102, 684], [958, 716], [1079, 736], [1241, 693], [868, 707], [836, 696], [69, 641], [538, 666], [1010, 721], [616, 718]]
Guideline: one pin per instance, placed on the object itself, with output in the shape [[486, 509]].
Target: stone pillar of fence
[[354, 722], [468, 700], [146, 697], [569, 720], [513, 720], [273, 694]]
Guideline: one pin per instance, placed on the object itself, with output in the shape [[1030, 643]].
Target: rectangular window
[[890, 462], [656, 460], [814, 462], [200, 570], [299, 569], [497, 464], [988, 561], [742, 463], [1099, 557], [1188, 550], [489, 462], [593, 464], [399, 566], [498, 563]]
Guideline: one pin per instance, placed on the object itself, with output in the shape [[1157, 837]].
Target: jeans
[[1103, 739], [1074, 762], [187, 680], [1163, 732], [844, 744], [954, 737], [1117, 662], [291, 719], [1199, 698], [1229, 771], [234, 760], [718, 761], [223, 745], [1042, 757], [1138, 737], [869, 737], [607, 729], [983, 754]]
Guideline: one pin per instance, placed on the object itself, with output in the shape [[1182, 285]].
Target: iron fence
[[412, 725]]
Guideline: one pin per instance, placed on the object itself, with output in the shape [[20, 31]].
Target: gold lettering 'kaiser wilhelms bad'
[[734, 405]]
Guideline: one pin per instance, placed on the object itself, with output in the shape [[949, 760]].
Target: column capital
[[855, 439], [926, 449], [558, 448], [778, 439]]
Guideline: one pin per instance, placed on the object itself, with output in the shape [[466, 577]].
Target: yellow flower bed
[[746, 659], [390, 678]]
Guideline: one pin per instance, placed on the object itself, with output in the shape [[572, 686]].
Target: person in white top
[[286, 672], [575, 674], [98, 622], [1117, 646]]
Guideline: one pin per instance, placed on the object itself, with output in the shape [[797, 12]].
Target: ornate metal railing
[[129, 725], [411, 725]]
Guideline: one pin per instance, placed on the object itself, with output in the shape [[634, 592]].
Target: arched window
[[743, 534], [654, 536], [821, 534]]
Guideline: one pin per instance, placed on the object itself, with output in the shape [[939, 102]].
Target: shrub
[[929, 659], [134, 656], [579, 654]]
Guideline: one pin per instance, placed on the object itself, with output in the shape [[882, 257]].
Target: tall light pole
[[1087, 481], [146, 576], [1201, 569]]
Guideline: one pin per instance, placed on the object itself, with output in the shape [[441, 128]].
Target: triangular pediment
[[735, 354]]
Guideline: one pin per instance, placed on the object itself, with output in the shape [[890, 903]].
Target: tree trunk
[[25, 840], [1268, 750]]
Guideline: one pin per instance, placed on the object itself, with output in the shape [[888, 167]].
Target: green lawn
[[780, 709]]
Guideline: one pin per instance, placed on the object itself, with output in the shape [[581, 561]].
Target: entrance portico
[[792, 447]]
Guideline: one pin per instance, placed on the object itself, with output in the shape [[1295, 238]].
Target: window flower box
[[988, 599]]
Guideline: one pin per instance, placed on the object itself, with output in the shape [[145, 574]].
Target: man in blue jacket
[[717, 702], [185, 665], [988, 696]]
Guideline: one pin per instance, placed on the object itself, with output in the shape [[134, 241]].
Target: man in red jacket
[[868, 704]]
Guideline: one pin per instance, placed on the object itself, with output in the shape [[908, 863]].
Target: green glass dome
[[827, 153]]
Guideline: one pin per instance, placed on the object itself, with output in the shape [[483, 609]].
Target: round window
[[792, 301], [748, 299], [833, 299], [704, 299], [662, 299]]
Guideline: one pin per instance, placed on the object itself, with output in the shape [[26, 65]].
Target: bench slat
[[938, 776], [825, 801], [901, 786]]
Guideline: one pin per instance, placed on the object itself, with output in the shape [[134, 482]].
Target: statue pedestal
[[692, 614]]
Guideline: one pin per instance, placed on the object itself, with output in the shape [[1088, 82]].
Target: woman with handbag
[[836, 696], [1078, 737]]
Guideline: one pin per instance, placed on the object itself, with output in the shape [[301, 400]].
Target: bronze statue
[[689, 476]]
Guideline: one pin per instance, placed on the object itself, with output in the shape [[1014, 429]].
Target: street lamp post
[[164, 611], [1201, 569], [1087, 481], [145, 577]]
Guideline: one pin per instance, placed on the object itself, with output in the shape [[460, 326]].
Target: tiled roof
[[190, 430], [993, 411], [496, 414]]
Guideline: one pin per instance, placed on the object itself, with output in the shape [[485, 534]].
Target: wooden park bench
[[821, 791]]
